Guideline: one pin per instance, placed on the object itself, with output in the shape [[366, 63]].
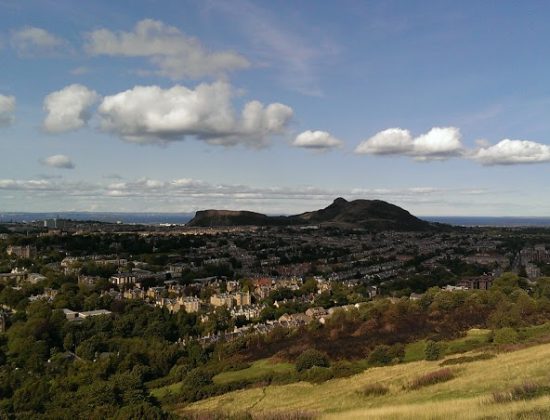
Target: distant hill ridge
[[370, 214]]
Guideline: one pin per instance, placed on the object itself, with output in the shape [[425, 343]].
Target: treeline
[[51, 368]]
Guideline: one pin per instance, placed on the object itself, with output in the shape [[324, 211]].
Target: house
[[16, 276], [89, 281], [242, 298], [155, 292], [34, 278], [177, 269], [482, 282], [296, 319], [80, 316], [191, 304], [222, 299], [135, 293], [316, 312], [121, 279], [97, 312], [232, 285], [27, 251]]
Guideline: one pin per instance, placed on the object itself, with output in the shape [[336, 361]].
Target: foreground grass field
[[468, 395]]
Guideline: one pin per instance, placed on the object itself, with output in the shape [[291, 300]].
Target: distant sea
[[182, 218], [491, 221], [136, 218]]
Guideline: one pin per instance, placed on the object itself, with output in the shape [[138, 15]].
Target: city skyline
[[436, 107]]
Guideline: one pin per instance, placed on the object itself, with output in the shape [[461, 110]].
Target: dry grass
[[373, 390], [221, 415], [465, 397]]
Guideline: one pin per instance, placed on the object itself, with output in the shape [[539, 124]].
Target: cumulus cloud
[[7, 109], [316, 140], [150, 114], [176, 55], [392, 141], [437, 144], [189, 194], [512, 152], [30, 41], [58, 161], [68, 109]]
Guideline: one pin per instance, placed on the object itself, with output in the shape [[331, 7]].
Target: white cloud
[[388, 142], [58, 161], [176, 55], [437, 144], [31, 184], [511, 152], [150, 114], [7, 109], [68, 109], [188, 194], [317, 140], [30, 41]]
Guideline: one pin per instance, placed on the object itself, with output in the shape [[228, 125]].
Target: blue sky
[[439, 107]]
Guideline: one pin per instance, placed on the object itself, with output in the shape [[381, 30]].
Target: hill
[[370, 214], [217, 218], [469, 394]]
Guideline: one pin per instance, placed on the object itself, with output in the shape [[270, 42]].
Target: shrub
[[310, 358], [525, 391], [373, 390], [197, 378], [432, 351], [432, 378], [236, 366], [397, 352], [316, 374], [343, 369], [380, 356], [467, 359], [505, 336]]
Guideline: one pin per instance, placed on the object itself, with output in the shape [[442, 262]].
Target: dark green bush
[[343, 369], [505, 336], [316, 374], [311, 358], [380, 356], [432, 351]]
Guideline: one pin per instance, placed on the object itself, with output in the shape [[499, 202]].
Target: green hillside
[[470, 394]]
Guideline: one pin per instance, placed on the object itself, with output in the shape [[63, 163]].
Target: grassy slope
[[466, 396], [255, 371], [474, 338]]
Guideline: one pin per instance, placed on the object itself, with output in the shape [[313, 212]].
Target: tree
[[310, 358], [432, 351], [380, 356]]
